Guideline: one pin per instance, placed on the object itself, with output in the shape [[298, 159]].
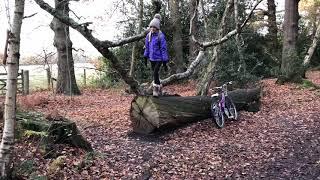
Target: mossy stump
[[57, 130]]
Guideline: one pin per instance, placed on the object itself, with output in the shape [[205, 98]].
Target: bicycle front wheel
[[217, 115], [232, 109]]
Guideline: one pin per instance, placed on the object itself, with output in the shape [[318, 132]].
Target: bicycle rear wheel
[[232, 109], [217, 115]]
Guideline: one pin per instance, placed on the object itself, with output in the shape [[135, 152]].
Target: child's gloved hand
[[146, 61], [165, 67]]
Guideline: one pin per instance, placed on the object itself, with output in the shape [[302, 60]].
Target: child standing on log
[[156, 52]]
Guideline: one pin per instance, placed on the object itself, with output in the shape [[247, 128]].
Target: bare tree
[[134, 47], [312, 48], [272, 25], [7, 142], [104, 46], [205, 81], [176, 25], [101, 46], [291, 67], [239, 39], [66, 81], [205, 19], [156, 5], [204, 84], [193, 5]]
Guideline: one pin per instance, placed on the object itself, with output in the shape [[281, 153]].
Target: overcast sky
[[36, 34]]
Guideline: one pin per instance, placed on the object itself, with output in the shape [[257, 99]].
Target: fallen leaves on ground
[[280, 141]]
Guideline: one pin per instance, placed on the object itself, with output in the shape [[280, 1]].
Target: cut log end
[[143, 112]]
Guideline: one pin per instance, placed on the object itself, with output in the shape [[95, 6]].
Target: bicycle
[[222, 107]]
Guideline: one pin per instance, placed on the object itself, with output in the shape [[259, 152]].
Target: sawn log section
[[148, 113]]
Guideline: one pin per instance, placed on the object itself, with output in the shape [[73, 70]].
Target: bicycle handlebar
[[225, 84]]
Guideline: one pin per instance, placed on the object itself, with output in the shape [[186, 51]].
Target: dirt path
[[282, 141]]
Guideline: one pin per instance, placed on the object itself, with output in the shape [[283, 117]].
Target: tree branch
[[126, 40], [25, 17], [231, 33], [192, 24], [83, 29], [185, 74], [101, 46]]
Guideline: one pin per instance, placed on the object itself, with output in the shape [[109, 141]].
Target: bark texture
[[7, 142], [206, 78], [205, 19], [148, 113], [291, 66], [312, 48], [179, 65], [66, 81], [187, 73], [194, 28], [239, 39], [156, 6], [272, 25], [135, 44]]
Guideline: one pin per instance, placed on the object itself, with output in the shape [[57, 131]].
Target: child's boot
[[156, 89], [160, 90]]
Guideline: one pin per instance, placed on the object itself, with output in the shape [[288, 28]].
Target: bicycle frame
[[223, 106], [223, 92]]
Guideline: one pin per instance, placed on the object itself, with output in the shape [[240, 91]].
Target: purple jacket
[[155, 51]]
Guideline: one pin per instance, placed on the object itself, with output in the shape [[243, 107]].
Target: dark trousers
[[155, 67]]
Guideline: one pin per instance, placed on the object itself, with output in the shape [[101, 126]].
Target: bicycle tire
[[217, 115], [232, 109]]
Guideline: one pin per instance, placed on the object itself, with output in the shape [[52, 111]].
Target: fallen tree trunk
[[148, 113]]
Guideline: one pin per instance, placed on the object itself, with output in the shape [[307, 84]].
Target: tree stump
[[58, 130], [148, 113]]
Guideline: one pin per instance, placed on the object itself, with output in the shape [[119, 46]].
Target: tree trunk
[[239, 39], [66, 81], [205, 20], [148, 113], [192, 45], [7, 142], [291, 66], [134, 47], [312, 48], [204, 84], [156, 6], [205, 81], [272, 26], [176, 25]]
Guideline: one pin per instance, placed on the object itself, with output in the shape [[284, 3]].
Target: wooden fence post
[[84, 78], [25, 75]]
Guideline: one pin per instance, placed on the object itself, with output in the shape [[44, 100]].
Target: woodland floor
[[281, 141]]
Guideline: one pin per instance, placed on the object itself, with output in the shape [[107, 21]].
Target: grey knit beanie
[[156, 21]]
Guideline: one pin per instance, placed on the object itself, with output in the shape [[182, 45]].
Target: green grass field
[[38, 75]]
